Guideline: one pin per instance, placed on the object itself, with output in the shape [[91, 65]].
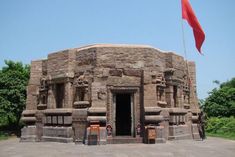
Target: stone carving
[[160, 85], [109, 130], [81, 99]]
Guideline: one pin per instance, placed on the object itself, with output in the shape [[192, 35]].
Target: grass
[[230, 136], [3, 135]]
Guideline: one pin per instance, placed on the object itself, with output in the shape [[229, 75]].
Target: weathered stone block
[[179, 132], [132, 72], [79, 113], [48, 120], [195, 131], [115, 72], [160, 134], [54, 119], [60, 120], [57, 131], [57, 134], [67, 120], [28, 133]]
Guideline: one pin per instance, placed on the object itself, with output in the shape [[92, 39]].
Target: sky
[[31, 29]]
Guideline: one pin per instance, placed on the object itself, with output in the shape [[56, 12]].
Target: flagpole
[[184, 46], [199, 35], [187, 68], [186, 59], [183, 39]]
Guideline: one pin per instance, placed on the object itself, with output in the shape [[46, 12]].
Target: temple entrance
[[123, 114]]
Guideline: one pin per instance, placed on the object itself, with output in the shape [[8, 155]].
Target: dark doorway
[[60, 95], [175, 95], [123, 114]]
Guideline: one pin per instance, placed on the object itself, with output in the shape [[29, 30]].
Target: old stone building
[[115, 92]]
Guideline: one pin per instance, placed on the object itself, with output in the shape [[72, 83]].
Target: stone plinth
[[179, 132], [28, 134], [57, 134]]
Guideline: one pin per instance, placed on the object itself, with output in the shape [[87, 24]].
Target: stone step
[[57, 139], [124, 140]]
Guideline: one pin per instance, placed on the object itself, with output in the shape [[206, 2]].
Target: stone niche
[[120, 91], [43, 94]]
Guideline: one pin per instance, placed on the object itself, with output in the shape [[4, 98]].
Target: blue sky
[[31, 29]]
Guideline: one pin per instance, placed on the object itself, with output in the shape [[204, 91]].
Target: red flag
[[189, 15]]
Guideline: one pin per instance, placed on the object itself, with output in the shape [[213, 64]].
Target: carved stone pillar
[[80, 104], [68, 95], [79, 125], [51, 97], [168, 74]]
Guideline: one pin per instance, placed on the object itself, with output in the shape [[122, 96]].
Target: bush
[[223, 127]]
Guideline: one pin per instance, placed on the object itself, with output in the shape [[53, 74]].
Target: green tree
[[221, 101], [13, 81]]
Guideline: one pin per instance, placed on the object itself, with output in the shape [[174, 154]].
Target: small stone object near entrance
[[123, 88], [151, 134], [94, 134]]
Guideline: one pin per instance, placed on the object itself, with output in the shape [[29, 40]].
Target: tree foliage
[[13, 81], [221, 101]]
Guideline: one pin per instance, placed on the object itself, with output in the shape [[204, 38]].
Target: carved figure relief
[[161, 85], [101, 95], [186, 91], [81, 97], [43, 83], [80, 81]]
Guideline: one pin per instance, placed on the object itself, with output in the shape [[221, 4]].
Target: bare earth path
[[212, 147]]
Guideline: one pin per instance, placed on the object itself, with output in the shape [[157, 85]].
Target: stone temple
[[107, 93]]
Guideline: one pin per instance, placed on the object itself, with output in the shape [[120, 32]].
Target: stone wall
[[36, 72], [57, 65], [29, 132], [193, 94], [85, 59], [123, 66]]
